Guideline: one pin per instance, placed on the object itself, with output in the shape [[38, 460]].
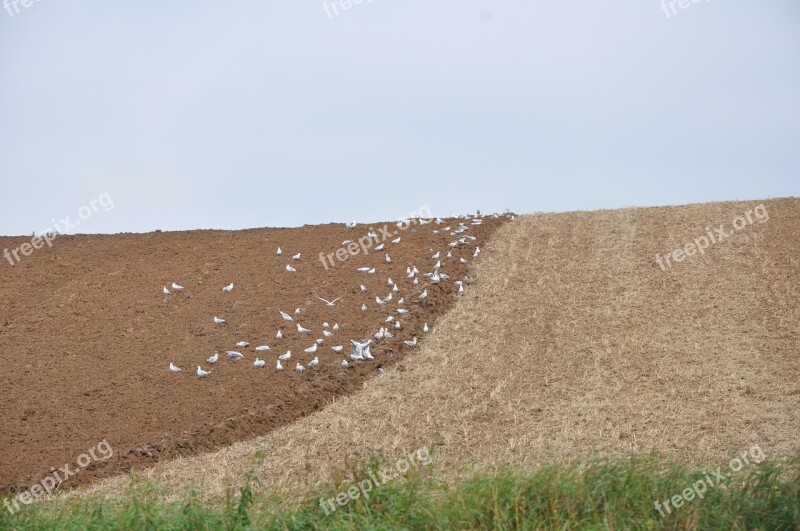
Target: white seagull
[[242, 344], [279, 251], [332, 303], [299, 368], [217, 320], [173, 368], [177, 286], [423, 295], [345, 364], [286, 316], [213, 359], [311, 349], [314, 362], [336, 348], [229, 287], [290, 269], [166, 291], [278, 366], [279, 335], [234, 356], [201, 373], [302, 330], [351, 225], [259, 363], [296, 257], [286, 357], [363, 288], [262, 348], [412, 343], [425, 328]]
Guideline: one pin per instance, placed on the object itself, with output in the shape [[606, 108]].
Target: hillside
[[573, 342], [87, 334]]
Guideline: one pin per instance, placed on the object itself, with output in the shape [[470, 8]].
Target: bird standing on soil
[[278, 366], [219, 321], [302, 329], [259, 363], [173, 368], [290, 269], [314, 362], [234, 356], [177, 286], [201, 373], [213, 359], [286, 316], [286, 357], [299, 368], [166, 291], [228, 288]]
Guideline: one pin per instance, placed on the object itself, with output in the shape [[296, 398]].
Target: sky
[[228, 115]]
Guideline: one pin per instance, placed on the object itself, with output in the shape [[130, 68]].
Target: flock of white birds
[[360, 349]]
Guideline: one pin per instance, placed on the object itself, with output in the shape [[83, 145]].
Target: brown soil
[[86, 337], [572, 342]]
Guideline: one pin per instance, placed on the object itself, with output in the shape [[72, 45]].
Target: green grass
[[617, 494]]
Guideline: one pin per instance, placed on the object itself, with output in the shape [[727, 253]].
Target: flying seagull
[[332, 303]]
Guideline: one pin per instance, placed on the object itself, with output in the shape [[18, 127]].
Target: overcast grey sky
[[211, 114]]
